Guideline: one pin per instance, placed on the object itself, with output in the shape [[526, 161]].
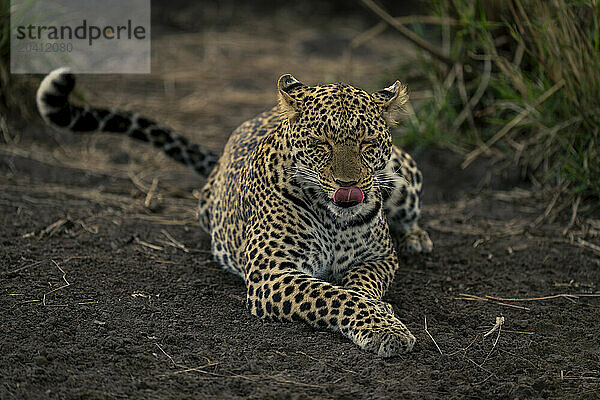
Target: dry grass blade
[[585, 244], [514, 122], [497, 325], [470, 297], [432, 339], [149, 245], [194, 369], [151, 193], [173, 242], [554, 296], [165, 353], [67, 284]]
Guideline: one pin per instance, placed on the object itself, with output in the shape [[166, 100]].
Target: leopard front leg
[[278, 290], [372, 279], [401, 183]]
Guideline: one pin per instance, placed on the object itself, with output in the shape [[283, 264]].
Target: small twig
[[173, 242], [519, 332], [465, 296], [64, 277], [582, 243], [573, 215], [150, 245], [497, 325], [165, 353], [432, 339], [34, 264], [194, 369], [151, 192], [554, 296], [485, 79]]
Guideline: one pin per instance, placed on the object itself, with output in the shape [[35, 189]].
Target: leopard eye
[[367, 143], [320, 143]]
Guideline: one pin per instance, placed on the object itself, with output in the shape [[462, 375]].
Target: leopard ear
[[391, 99], [289, 99]]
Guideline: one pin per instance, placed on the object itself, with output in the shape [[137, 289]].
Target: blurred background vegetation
[[518, 81], [514, 81]]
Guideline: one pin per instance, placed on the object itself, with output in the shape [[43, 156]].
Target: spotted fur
[[268, 207]]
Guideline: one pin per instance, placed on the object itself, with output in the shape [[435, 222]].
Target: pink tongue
[[348, 194]]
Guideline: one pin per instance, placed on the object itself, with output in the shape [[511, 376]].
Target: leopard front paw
[[417, 241], [385, 336]]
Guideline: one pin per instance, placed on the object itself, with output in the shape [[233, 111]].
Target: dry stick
[[554, 296], [550, 206], [514, 122], [408, 34], [151, 192], [6, 132], [194, 369], [165, 353], [573, 215], [34, 264], [254, 378], [498, 327], [485, 79], [174, 243], [64, 276], [150, 245], [470, 297], [582, 243], [429, 334]]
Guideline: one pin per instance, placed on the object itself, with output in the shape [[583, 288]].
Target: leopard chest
[[332, 252]]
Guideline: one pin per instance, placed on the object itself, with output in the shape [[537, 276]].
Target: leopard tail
[[55, 108]]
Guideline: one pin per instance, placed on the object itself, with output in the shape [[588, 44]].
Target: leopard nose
[[343, 183]]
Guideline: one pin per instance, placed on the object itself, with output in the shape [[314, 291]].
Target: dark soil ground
[[108, 289]]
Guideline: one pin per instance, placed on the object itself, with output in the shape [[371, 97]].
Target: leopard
[[302, 204]]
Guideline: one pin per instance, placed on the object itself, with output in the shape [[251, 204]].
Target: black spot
[[61, 118], [348, 312], [276, 297], [117, 123], [139, 135], [287, 307], [85, 123], [255, 277], [54, 100]]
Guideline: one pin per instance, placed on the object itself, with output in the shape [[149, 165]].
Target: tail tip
[[56, 85]]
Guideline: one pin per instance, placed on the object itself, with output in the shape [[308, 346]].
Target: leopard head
[[339, 139]]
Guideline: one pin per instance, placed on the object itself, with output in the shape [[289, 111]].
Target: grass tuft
[[525, 88]]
